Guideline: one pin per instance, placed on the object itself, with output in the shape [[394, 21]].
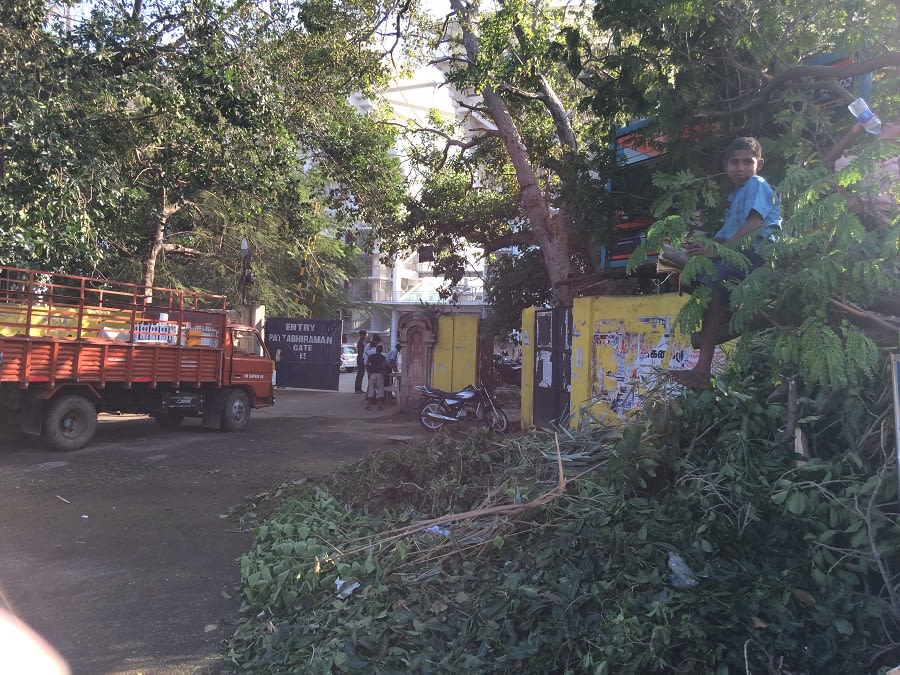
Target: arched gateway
[[417, 334]]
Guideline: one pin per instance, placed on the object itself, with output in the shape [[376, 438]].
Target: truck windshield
[[247, 342]]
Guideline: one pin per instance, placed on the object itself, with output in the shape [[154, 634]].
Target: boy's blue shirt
[[754, 195]]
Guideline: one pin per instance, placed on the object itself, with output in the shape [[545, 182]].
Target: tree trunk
[[551, 231], [156, 245], [550, 236]]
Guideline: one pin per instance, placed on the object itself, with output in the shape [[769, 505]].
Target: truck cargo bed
[[57, 328], [28, 360]]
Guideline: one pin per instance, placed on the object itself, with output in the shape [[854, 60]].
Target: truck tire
[[169, 419], [70, 422], [236, 411]]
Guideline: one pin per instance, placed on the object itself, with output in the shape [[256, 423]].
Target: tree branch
[[877, 328], [521, 93], [883, 570], [551, 101], [187, 251], [521, 238], [888, 60], [554, 105], [450, 141]]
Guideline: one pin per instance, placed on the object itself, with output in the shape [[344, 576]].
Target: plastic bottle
[[865, 116]]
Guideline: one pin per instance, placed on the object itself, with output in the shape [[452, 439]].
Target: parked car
[[348, 358]]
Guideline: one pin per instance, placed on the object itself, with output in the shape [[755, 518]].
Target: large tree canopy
[[141, 140], [554, 85]]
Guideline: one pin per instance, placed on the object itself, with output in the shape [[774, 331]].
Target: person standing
[[393, 359], [360, 362], [376, 365], [368, 351], [391, 366]]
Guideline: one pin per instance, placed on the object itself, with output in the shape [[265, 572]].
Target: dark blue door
[[307, 352], [552, 366]]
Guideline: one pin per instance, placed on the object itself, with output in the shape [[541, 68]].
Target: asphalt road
[[119, 555]]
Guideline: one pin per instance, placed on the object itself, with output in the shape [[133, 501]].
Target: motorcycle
[[472, 403], [506, 371]]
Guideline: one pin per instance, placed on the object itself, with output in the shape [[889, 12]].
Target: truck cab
[[243, 366]]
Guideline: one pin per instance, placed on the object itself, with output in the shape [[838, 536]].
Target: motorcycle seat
[[464, 394]]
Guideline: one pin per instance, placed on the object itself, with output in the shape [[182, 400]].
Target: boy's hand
[[695, 248]]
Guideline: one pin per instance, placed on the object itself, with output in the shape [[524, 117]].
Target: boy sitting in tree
[[752, 219]]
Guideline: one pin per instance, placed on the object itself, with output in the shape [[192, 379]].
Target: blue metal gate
[[307, 352]]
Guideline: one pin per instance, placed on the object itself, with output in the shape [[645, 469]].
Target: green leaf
[[797, 503]]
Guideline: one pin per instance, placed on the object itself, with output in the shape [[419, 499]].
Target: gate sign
[[306, 352]]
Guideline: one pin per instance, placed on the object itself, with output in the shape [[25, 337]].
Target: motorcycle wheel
[[431, 423], [496, 420]]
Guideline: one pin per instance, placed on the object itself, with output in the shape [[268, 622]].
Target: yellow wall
[[455, 363], [620, 344], [527, 391]]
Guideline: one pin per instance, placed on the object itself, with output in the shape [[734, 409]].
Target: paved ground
[[118, 554]]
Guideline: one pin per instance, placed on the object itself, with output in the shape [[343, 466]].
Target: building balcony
[[427, 291]]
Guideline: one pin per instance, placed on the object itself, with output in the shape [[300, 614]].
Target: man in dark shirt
[[375, 367], [360, 362]]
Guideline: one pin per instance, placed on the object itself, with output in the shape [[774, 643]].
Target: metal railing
[[464, 297]]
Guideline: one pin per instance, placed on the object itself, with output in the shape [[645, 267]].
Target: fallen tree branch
[[883, 570], [877, 327], [511, 511]]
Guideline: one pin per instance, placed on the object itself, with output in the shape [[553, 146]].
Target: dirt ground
[[119, 554]]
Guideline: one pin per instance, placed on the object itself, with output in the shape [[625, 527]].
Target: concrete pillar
[[395, 322]]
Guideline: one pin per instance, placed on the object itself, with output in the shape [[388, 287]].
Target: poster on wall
[[306, 352], [629, 359]]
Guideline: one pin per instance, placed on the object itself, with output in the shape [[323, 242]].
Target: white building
[[385, 292]]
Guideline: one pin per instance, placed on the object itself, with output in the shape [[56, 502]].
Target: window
[[246, 342]]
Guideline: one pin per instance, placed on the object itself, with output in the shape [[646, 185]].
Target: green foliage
[[828, 258], [685, 194], [793, 560], [699, 73], [194, 120], [472, 187], [674, 61], [795, 557], [514, 283]]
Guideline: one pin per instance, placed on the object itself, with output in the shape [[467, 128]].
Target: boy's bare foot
[[689, 378]]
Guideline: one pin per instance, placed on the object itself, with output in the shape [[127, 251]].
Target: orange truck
[[72, 347]]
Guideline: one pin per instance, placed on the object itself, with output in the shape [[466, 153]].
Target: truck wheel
[[169, 419], [70, 422], [236, 412]]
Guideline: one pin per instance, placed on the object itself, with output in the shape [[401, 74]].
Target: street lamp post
[[246, 278]]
